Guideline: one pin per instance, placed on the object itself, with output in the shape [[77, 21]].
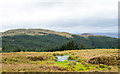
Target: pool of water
[[62, 58]]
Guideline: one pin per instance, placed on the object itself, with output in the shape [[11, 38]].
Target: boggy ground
[[105, 60]]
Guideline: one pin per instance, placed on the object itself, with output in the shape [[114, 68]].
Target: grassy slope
[[35, 32], [20, 62]]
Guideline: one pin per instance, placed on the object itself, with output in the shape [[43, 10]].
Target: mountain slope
[[46, 40]]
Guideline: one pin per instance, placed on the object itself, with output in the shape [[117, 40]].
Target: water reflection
[[62, 58]]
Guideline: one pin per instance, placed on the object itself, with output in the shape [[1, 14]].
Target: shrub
[[36, 58], [81, 60], [109, 67], [108, 60], [55, 58], [54, 54], [72, 57], [103, 66], [71, 63], [10, 60], [61, 54], [87, 65]]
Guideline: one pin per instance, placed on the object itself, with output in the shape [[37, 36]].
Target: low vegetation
[[108, 60], [78, 61]]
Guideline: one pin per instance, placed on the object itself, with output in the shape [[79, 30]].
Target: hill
[[35, 32], [47, 40]]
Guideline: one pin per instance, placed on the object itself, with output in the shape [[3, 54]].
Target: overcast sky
[[73, 16]]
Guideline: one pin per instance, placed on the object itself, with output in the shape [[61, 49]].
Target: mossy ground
[[46, 62]]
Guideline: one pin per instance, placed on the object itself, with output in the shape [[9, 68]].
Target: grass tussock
[[36, 58]]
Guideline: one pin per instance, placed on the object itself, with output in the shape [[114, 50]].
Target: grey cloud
[[93, 22], [59, 14]]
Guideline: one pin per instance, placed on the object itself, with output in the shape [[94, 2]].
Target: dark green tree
[[82, 46]]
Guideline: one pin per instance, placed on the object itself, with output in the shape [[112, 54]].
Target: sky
[[73, 16]]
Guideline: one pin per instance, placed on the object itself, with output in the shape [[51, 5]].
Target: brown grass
[[18, 61], [35, 32]]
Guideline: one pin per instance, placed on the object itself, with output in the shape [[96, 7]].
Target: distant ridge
[[87, 34], [42, 32], [114, 35], [34, 32]]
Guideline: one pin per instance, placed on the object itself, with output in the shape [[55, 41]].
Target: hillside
[[47, 40], [35, 32]]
